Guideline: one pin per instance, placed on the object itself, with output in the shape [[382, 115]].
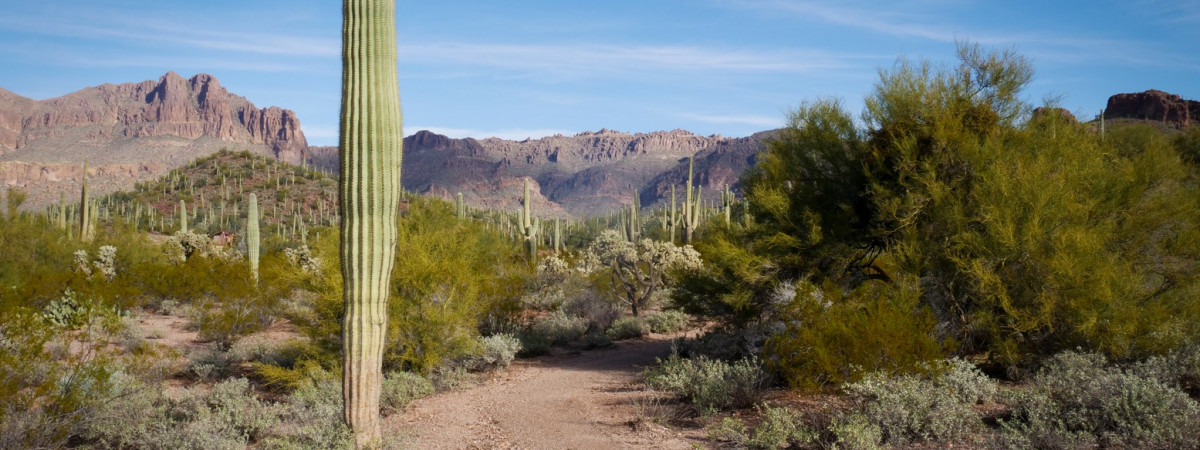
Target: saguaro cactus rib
[[370, 140]]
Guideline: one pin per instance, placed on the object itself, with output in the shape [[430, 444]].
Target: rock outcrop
[[1153, 105], [151, 126], [585, 174], [171, 107]]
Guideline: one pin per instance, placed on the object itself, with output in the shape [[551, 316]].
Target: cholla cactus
[[81, 263], [303, 258], [640, 268], [182, 246], [107, 262]]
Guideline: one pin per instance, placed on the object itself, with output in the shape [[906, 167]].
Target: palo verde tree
[[369, 190], [1023, 236]]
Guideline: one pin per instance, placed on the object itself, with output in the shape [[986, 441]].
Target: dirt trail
[[577, 400]]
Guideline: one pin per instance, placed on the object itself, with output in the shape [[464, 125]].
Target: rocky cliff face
[[1153, 105], [585, 174], [152, 126]]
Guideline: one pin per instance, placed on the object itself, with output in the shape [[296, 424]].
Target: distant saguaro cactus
[[459, 206], [252, 235], [62, 210], [370, 139], [692, 204], [530, 227], [85, 213], [183, 216]]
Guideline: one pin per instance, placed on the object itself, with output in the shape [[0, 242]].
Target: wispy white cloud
[[509, 133], [135, 30], [585, 59], [763, 122], [878, 17]]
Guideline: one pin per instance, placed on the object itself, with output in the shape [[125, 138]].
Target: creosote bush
[[1079, 400], [668, 321], [628, 328], [914, 409], [709, 384]]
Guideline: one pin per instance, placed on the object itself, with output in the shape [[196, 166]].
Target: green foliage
[[449, 276], [709, 384], [1023, 238], [495, 352], [780, 427], [1188, 145], [628, 328], [831, 337], [912, 408], [559, 327], [1077, 400], [401, 388], [668, 321]]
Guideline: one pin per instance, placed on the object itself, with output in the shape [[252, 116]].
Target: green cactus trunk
[[85, 213], [252, 235], [369, 189], [183, 216], [691, 206], [62, 210]]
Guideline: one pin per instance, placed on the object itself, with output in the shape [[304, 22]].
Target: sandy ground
[[574, 400]]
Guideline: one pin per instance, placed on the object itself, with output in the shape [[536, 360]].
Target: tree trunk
[[370, 141]]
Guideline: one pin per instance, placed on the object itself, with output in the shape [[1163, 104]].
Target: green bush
[[911, 408], [496, 352], [400, 389], [835, 337], [709, 384], [1078, 400], [449, 277], [559, 327], [628, 328], [668, 321], [780, 427]]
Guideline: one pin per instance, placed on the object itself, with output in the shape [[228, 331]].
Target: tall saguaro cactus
[[691, 206], [252, 235], [85, 213], [369, 189]]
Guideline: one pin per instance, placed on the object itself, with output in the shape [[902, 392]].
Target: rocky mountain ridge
[[133, 131], [136, 131], [585, 174]]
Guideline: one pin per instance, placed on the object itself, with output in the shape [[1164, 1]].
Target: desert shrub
[[780, 427], [400, 389], [1179, 368], [593, 308], [834, 337], [709, 384], [496, 352], [228, 416], [668, 321], [913, 408], [628, 328], [311, 417], [54, 379], [1078, 400], [559, 327], [534, 344], [597, 340], [856, 432], [449, 276]]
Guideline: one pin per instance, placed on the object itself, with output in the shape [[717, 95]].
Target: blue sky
[[517, 69]]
